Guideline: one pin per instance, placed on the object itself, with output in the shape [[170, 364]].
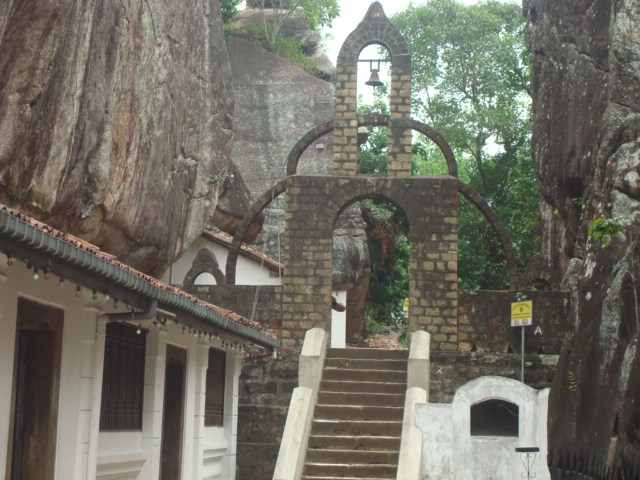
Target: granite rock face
[[115, 120], [277, 103], [586, 142]]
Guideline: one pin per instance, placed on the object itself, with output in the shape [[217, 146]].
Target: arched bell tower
[[315, 202], [375, 28]]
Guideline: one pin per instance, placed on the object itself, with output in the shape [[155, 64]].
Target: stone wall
[[484, 322], [265, 391], [431, 206], [266, 386], [451, 370], [241, 299]]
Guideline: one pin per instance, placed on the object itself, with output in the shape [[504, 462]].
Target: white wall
[[248, 271], [451, 453], [339, 322], [82, 452]]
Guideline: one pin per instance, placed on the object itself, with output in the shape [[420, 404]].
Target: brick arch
[[256, 209], [376, 28], [372, 120], [205, 262], [369, 196]]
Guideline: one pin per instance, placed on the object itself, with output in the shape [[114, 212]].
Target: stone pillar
[[433, 270], [345, 136], [400, 143], [307, 243]]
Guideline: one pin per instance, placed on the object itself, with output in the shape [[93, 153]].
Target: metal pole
[[522, 346]]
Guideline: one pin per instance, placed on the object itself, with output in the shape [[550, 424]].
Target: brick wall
[[431, 207]]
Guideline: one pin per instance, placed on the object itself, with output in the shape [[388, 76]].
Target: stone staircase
[[358, 418]]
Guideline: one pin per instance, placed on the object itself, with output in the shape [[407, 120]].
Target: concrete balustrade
[[293, 447], [410, 458]]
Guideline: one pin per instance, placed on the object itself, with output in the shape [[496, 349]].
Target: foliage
[[373, 152], [229, 9], [389, 284], [602, 230], [319, 13], [471, 82], [286, 47]]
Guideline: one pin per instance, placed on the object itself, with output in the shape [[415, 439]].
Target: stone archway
[[205, 262], [256, 209], [431, 208], [467, 191]]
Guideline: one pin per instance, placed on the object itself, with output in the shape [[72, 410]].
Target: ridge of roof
[[226, 240]]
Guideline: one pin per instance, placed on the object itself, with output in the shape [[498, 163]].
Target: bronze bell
[[374, 81]]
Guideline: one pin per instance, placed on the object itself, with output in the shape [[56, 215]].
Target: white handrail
[[295, 438], [410, 457]]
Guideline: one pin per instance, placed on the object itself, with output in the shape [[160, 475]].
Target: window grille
[[123, 378], [214, 399]]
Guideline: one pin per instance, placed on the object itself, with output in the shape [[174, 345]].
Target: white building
[[253, 268], [89, 390]]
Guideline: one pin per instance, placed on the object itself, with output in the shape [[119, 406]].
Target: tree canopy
[[471, 82]]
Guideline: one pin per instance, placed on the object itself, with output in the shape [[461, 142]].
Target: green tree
[[229, 9], [319, 13], [472, 83]]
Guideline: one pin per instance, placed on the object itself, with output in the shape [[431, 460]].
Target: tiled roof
[[226, 240], [14, 226]]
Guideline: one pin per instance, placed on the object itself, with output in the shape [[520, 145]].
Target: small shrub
[[602, 230]]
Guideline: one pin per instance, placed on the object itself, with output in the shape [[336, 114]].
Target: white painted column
[[153, 399], [233, 370], [8, 314], [92, 460], [88, 363], [201, 363]]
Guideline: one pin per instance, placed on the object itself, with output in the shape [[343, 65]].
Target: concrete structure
[[40, 267], [293, 448], [200, 264], [199, 267], [451, 452], [418, 366]]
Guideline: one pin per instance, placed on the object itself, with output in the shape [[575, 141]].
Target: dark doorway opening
[[495, 418], [36, 388], [173, 413]]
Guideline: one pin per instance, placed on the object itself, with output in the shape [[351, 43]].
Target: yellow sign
[[522, 314]]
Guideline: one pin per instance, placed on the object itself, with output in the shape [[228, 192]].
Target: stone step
[[356, 427], [368, 457], [361, 398], [373, 353], [351, 442], [341, 386], [367, 363], [353, 374], [357, 412], [342, 470]]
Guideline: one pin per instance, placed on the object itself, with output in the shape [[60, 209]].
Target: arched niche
[[494, 418], [205, 262]]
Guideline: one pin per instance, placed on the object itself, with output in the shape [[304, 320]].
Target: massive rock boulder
[[277, 103], [587, 142], [115, 119]]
